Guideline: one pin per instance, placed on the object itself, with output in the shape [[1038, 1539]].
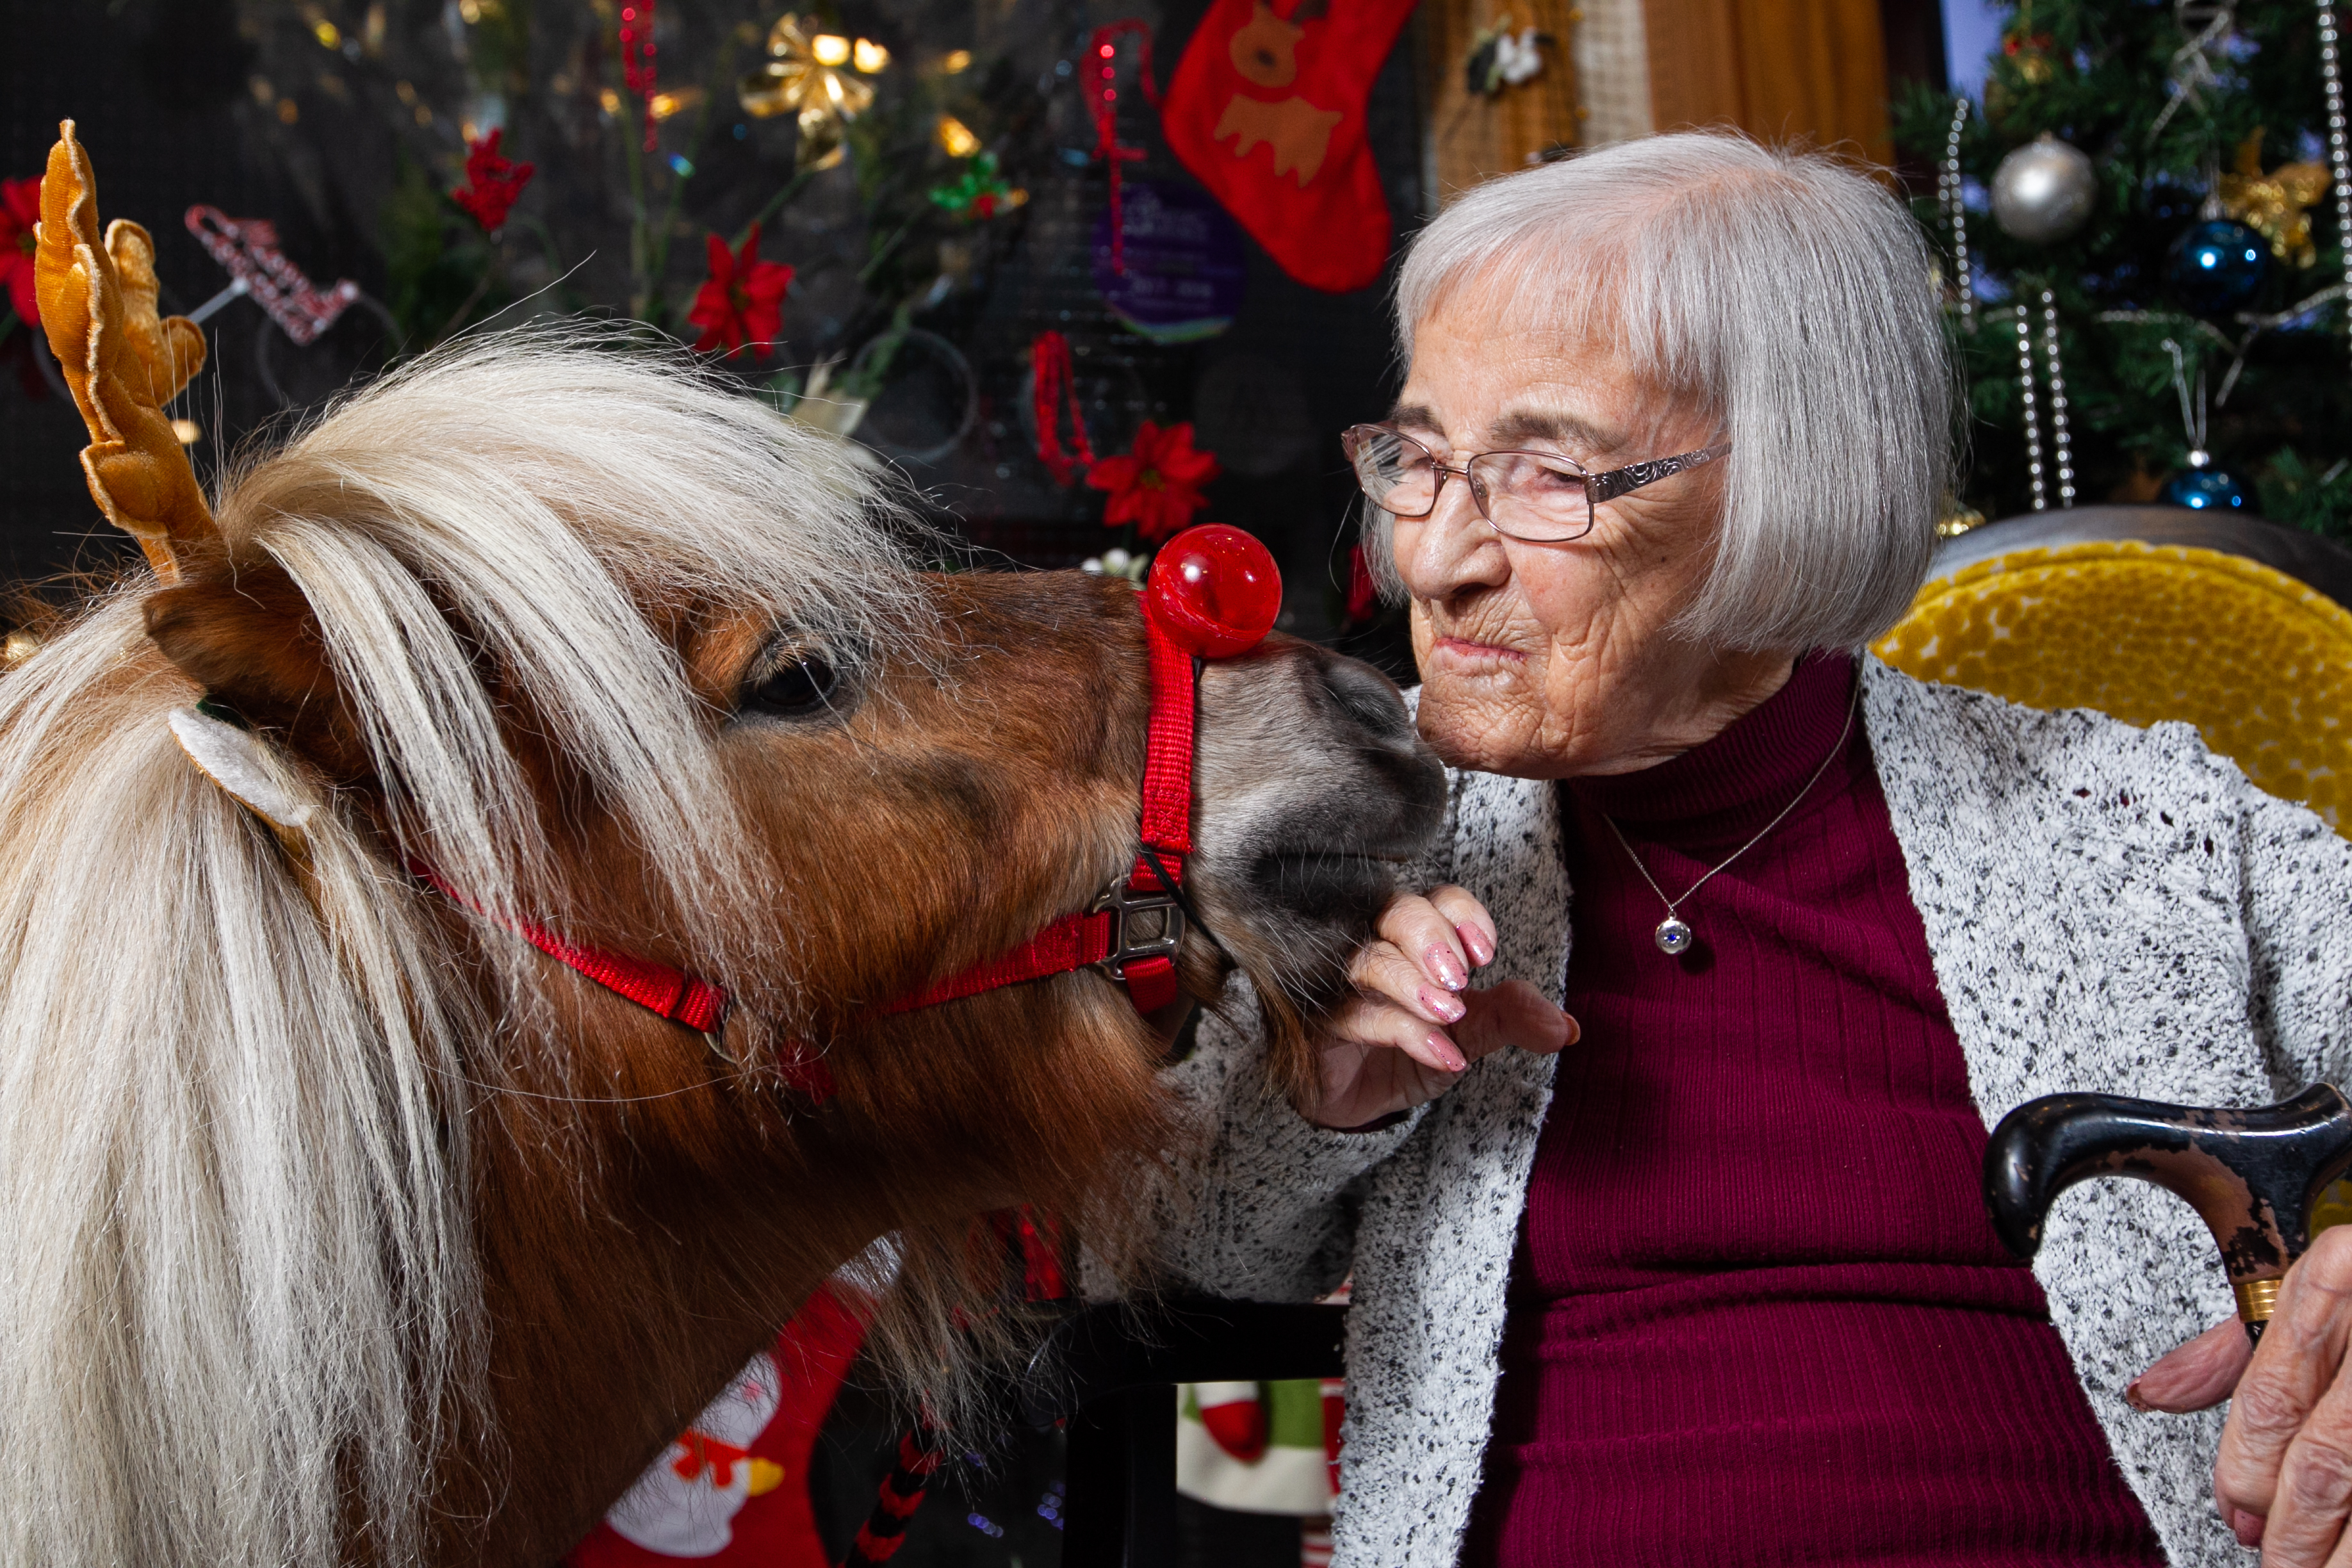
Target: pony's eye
[[801, 684]]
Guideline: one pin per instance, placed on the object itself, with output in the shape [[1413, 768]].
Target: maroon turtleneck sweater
[[1757, 1312]]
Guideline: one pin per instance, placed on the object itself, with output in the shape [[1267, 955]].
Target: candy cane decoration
[[247, 248]]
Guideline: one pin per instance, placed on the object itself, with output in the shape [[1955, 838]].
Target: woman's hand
[[1414, 1024], [2284, 1478]]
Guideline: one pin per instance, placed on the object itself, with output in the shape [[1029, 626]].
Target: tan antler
[[98, 306]]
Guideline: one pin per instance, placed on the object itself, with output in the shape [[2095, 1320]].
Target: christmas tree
[[2145, 228]]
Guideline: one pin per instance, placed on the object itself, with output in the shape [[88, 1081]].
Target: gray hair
[[1788, 291]]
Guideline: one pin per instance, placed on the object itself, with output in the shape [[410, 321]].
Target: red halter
[[1214, 592]]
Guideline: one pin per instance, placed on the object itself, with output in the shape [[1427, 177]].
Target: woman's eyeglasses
[[1539, 497]]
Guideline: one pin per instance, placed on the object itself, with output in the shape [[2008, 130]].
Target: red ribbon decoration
[[1102, 98], [1050, 386]]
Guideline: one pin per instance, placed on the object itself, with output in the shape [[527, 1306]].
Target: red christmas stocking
[[732, 1490], [1234, 1415], [1267, 109]]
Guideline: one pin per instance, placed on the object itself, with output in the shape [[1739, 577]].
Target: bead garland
[[1955, 213], [1102, 99], [638, 59], [2032, 415], [2339, 149], [2062, 444]]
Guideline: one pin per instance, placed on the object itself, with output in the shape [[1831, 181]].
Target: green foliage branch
[[2100, 74]]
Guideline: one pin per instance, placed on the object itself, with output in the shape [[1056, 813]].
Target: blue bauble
[[2217, 266], [2203, 490]]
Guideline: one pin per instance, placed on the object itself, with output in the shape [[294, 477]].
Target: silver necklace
[[1674, 935]]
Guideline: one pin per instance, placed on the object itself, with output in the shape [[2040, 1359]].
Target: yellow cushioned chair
[[2237, 626]]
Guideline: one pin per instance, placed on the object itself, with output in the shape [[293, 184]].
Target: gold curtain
[[1780, 70]]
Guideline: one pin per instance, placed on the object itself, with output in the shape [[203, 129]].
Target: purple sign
[[1184, 269]]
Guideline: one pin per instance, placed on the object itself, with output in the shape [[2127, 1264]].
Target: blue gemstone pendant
[[1672, 937]]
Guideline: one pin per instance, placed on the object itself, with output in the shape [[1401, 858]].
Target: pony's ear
[[246, 634]]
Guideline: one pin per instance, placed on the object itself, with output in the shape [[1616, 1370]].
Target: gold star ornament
[[2275, 204]]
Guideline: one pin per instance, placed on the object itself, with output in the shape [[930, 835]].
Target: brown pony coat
[[636, 1197]]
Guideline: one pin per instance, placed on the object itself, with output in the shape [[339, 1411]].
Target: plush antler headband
[[98, 306]]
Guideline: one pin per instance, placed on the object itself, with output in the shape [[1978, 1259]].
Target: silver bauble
[[2045, 191]]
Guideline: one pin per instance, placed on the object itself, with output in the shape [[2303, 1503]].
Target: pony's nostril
[[1364, 695]]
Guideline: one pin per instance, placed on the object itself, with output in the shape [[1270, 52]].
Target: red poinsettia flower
[[742, 304], [1157, 485], [20, 209], [492, 183]]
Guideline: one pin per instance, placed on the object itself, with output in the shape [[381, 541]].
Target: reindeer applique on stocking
[[1267, 108]]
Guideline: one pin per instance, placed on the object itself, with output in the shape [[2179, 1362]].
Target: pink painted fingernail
[[1481, 952], [2132, 1397], [1448, 969], [2246, 1527], [1452, 1060], [1440, 1005]]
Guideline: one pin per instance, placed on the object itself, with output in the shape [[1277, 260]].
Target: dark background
[[166, 96], [161, 92]]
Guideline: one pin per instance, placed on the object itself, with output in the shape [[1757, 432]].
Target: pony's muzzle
[[1315, 793]]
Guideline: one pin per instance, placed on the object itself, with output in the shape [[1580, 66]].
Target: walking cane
[[2251, 1175]]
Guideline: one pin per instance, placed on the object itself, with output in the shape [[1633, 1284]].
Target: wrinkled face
[[1551, 660], [940, 813]]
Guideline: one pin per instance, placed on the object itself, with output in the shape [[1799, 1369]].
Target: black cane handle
[[2251, 1175]]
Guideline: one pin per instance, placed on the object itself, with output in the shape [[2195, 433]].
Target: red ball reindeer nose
[[1215, 591]]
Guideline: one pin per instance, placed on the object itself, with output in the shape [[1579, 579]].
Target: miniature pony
[[340, 1223]]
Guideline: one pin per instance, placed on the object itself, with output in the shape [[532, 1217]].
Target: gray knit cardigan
[[2107, 909]]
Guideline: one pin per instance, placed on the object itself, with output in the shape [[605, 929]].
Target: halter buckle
[[1123, 901]]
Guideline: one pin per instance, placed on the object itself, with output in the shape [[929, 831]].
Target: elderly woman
[[1714, 1282]]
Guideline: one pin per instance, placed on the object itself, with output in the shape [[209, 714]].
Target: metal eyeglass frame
[[1598, 488]]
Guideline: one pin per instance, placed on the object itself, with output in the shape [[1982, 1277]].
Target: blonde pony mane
[[237, 1298]]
